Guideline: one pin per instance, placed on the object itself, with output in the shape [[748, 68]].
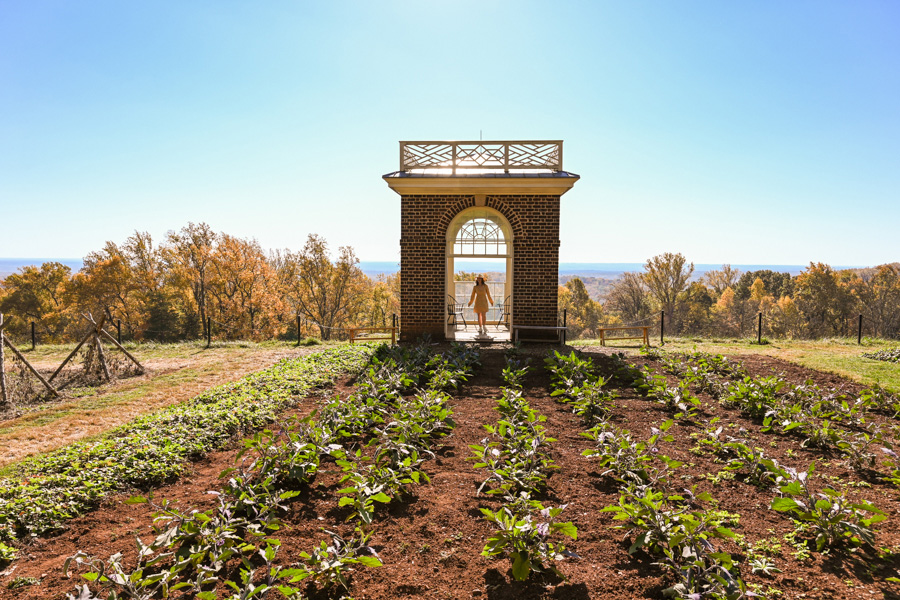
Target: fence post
[[4, 398], [393, 329], [208, 332], [32, 336], [662, 327], [759, 329], [119, 330], [298, 330], [859, 331], [565, 324]]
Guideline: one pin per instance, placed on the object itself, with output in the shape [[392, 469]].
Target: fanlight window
[[480, 236]]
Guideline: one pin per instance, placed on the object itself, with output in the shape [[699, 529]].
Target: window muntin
[[480, 236]]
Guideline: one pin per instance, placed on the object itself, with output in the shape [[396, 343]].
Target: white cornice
[[500, 186]]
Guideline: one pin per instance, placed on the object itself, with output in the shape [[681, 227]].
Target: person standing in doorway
[[481, 296]]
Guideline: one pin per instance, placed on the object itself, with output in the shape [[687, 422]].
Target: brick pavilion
[[478, 200]]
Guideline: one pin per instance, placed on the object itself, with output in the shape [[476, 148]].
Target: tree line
[[819, 302], [196, 278]]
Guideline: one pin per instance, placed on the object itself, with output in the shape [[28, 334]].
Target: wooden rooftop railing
[[481, 155]]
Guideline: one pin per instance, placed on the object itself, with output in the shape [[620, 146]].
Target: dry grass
[[174, 374]]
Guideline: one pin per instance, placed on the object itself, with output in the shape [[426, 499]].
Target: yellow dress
[[481, 295]]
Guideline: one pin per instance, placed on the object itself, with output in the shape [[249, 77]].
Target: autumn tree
[[38, 294], [242, 289], [383, 300], [697, 305], [824, 300], [187, 256], [719, 279], [877, 292], [582, 312], [328, 294], [629, 298], [106, 286], [667, 276], [776, 284]]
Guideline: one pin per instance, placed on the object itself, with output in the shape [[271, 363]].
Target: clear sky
[[740, 132]]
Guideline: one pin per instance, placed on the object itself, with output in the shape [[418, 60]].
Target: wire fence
[[757, 326]]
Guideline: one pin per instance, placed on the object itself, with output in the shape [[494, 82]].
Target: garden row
[[41, 494], [857, 428], [516, 458], [379, 438], [889, 355], [673, 525]]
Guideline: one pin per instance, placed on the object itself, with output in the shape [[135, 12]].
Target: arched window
[[480, 235]]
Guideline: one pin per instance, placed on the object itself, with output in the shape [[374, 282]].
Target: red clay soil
[[431, 545]]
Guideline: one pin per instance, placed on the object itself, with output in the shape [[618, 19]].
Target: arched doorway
[[482, 237]]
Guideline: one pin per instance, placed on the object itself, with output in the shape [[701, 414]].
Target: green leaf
[[345, 501], [639, 542], [521, 565], [381, 497], [206, 596], [568, 529], [136, 500], [369, 561], [725, 532], [784, 504]]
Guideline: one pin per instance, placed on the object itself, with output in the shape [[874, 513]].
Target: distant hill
[[8, 266]]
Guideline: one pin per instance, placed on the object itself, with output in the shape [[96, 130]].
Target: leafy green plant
[[832, 517], [525, 539], [43, 493], [677, 398], [331, 564], [514, 373], [7, 554], [622, 456], [752, 462]]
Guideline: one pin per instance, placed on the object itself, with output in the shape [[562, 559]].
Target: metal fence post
[[759, 329], [565, 325], [859, 331], [119, 330], [662, 327], [32, 336], [208, 332], [298, 330]]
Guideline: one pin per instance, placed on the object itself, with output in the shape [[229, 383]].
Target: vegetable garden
[[442, 472]]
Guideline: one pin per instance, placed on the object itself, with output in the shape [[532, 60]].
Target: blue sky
[[741, 132]]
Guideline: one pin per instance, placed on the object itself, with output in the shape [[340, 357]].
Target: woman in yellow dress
[[481, 295]]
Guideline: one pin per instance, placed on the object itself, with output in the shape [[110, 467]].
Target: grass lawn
[[842, 356]]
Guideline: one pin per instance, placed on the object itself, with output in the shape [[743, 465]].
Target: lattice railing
[[481, 155]]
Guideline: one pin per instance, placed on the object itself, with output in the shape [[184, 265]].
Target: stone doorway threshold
[[470, 335]]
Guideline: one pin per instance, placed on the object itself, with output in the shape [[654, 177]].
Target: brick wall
[[423, 232]]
